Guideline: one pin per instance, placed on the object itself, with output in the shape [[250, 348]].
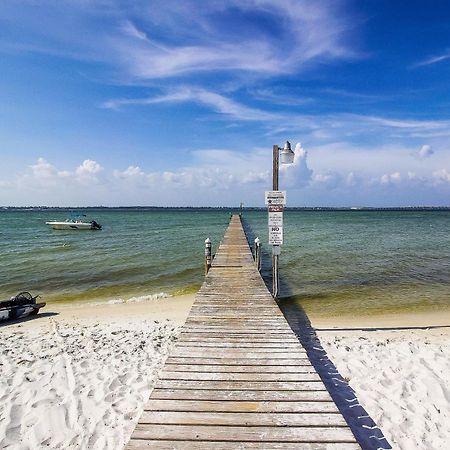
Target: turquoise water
[[364, 262], [332, 261]]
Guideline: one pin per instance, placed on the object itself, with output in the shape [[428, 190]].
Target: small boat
[[75, 224], [22, 305]]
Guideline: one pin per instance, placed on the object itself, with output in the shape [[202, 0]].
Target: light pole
[[286, 157]]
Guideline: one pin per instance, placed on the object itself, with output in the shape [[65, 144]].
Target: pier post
[[287, 157], [275, 248], [258, 254], [208, 256]]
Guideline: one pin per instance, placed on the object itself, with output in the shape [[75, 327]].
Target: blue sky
[[179, 102]]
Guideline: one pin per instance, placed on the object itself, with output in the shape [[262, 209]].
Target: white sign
[[275, 219], [276, 235], [275, 197]]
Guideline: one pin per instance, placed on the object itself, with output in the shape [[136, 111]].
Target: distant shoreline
[[222, 208]]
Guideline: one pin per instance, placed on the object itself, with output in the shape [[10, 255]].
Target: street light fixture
[[287, 157]]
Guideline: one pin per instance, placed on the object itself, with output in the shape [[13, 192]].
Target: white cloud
[[441, 176], [45, 174], [297, 174], [130, 172], [44, 170], [219, 176], [425, 151], [328, 180], [88, 168], [391, 178]]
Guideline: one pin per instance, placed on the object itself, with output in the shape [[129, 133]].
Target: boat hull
[[71, 225]]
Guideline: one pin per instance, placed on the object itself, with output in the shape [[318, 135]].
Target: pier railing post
[[258, 254], [208, 255]]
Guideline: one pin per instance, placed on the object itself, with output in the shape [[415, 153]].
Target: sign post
[[275, 201], [277, 198]]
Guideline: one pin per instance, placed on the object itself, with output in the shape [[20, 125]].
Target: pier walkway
[[238, 377]]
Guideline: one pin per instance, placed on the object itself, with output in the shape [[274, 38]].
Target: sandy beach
[[79, 378]]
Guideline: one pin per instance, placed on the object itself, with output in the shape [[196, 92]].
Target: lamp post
[[285, 157]]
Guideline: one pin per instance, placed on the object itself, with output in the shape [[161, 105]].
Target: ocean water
[[333, 262]]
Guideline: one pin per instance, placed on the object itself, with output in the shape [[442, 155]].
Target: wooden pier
[[238, 377]]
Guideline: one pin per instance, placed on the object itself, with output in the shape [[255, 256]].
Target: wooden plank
[[199, 352], [244, 434], [241, 362], [249, 376], [242, 337], [139, 444], [217, 368], [189, 338], [231, 348], [242, 385], [253, 346], [242, 406], [236, 330], [233, 337], [243, 395], [243, 419]]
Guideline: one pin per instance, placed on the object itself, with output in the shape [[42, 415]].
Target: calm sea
[[332, 261]]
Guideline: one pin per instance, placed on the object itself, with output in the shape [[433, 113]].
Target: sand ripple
[[72, 385]]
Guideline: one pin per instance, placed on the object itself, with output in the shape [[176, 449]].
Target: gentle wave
[[139, 299]]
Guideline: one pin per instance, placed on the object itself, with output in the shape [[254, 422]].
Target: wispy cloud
[[274, 96], [321, 126], [432, 60], [216, 102], [172, 38]]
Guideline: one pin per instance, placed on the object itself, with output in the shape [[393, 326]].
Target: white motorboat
[[74, 224]]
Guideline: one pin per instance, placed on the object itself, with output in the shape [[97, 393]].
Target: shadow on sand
[[366, 431], [28, 318]]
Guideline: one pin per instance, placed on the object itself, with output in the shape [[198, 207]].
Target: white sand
[[79, 379], [401, 378]]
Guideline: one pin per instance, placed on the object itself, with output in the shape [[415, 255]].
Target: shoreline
[[176, 307]]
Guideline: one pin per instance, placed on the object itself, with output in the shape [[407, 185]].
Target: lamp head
[[287, 155]]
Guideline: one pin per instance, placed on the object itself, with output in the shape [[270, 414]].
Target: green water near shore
[[332, 263]]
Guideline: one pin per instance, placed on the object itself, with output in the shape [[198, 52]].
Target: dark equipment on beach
[[22, 305]]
